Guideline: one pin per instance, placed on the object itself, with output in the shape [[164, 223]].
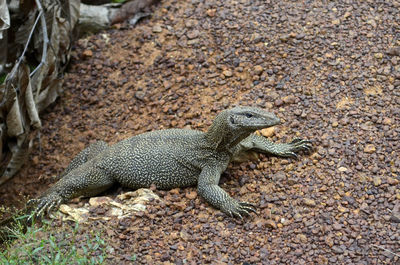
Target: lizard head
[[233, 125], [250, 119]]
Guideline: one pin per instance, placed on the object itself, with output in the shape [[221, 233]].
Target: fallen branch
[[95, 18], [16, 67], [129, 9], [45, 37]]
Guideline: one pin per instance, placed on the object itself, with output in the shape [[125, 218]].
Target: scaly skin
[[172, 158]]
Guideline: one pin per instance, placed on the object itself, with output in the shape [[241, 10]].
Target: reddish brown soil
[[329, 71]]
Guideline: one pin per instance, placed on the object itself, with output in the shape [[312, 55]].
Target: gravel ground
[[330, 71]]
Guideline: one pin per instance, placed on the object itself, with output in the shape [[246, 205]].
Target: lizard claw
[[240, 209], [53, 205], [291, 155], [236, 214], [301, 144], [296, 145], [296, 140], [45, 204], [249, 207], [31, 202]]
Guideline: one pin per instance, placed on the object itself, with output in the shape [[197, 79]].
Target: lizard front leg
[[208, 188], [262, 144]]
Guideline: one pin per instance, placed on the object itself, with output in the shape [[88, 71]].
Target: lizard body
[[173, 158]]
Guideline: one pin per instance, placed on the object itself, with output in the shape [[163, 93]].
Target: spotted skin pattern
[[172, 158]]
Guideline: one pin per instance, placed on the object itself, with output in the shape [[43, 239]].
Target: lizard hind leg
[[84, 156], [86, 180]]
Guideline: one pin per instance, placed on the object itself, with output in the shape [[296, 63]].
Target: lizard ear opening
[[231, 120]]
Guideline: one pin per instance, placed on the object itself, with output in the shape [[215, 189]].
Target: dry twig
[[45, 41], [45, 37]]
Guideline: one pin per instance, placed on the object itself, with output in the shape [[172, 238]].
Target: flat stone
[[193, 34], [227, 73], [258, 69], [270, 224], [369, 148], [377, 181], [157, 28], [309, 202]]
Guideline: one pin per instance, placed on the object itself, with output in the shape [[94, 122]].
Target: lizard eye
[[249, 115]]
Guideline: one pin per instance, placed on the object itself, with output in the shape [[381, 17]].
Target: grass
[[43, 245]]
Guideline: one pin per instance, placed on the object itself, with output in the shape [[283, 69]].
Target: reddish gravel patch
[[330, 71]]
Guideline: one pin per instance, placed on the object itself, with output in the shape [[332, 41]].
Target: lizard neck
[[221, 137]]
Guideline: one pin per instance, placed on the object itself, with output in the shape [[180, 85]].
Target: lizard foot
[[238, 209], [291, 149], [45, 204]]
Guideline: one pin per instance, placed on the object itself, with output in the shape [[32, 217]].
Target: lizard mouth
[[269, 122], [261, 126]]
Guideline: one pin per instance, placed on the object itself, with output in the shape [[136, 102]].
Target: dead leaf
[[132, 202]]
